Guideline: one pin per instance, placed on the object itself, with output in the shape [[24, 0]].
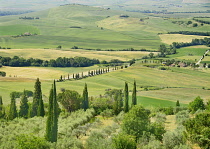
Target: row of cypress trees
[[36, 109]]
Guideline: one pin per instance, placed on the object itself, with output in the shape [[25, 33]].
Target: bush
[[123, 141], [32, 142], [196, 105], [2, 73], [182, 116], [172, 139]]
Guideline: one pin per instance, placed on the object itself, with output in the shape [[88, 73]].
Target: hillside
[[89, 28]]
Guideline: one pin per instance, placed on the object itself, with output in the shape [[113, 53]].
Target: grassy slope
[[118, 33], [187, 79]]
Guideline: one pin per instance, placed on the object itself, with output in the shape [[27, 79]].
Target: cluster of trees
[[29, 18], [59, 62], [191, 33], [26, 110], [163, 52], [201, 21]]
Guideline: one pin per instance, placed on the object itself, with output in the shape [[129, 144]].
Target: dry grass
[[170, 123], [170, 38], [28, 73]]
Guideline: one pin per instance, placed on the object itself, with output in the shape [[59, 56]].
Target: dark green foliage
[[2, 73], [24, 107], [49, 117], [41, 111], [196, 105], [118, 102], [126, 98], [70, 100], [177, 103], [1, 104], [136, 121], [85, 102], [31, 142], [100, 104], [59, 62], [124, 141], [13, 108], [198, 131], [157, 129], [195, 24], [55, 115], [52, 119], [36, 98], [2, 111], [134, 100]]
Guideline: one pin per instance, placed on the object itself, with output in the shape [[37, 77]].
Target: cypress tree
[[1, 104], [49, 117], [134, 100], [13, 108], [177, 103], [126, 108], [36, 98], [2, 111], [52, 119], [85, 98], [55, 115], [41, 111], [24, 107]]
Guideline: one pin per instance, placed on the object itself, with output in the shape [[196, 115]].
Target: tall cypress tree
[[55, 115], [85, 98], [48, 134], [37, 105], [126, 107], [134, 100], [41, 111], [52, 119], [2, 111], [1, 104], [24, 107], [13, 108], [36, 97]]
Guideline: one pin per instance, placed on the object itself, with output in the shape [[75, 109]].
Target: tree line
[[59, 62], [191, 33], [194, 42], [29, 18], [201, 21], [17, 61]]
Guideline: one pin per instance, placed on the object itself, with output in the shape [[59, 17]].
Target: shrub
[[31, 142], [172, 139], [123, 141], [196, 104]]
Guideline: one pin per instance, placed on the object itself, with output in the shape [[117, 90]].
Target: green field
[[179, 81], [93, 27], [88, 27]]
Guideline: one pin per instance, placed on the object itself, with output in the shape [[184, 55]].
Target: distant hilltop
[[196, 1]]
